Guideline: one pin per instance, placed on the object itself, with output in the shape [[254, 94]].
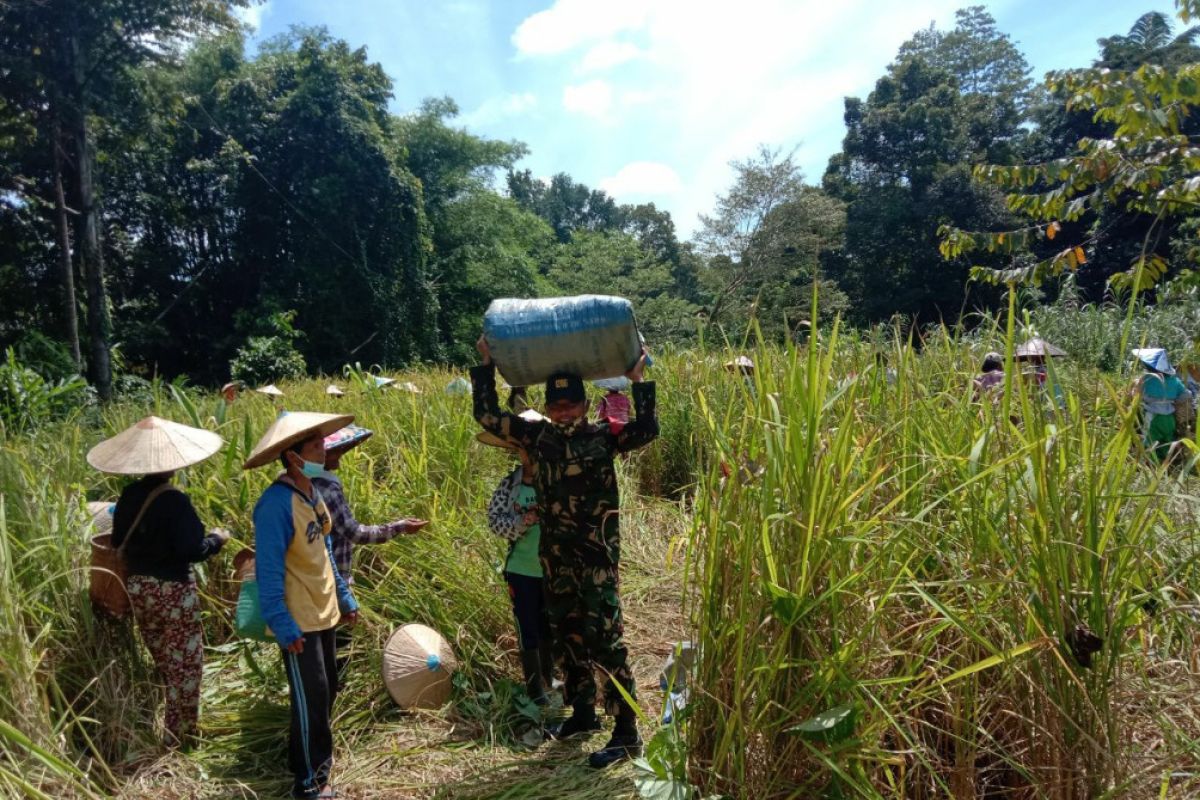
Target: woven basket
[[108, 573], [1185, 417]]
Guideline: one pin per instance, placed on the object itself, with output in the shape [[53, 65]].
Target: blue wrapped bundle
[[591, 335]]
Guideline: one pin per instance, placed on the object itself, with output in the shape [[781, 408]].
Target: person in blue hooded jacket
[[302, 594]]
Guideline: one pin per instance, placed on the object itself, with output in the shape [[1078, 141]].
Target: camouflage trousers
[[584, 609]]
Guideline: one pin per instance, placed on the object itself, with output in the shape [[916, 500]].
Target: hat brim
[[349, 443], [153, 446], [492, 440], [272, 451]]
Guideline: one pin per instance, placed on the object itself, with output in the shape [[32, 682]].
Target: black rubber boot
[[531, 665], [583, 719], [620, 747]]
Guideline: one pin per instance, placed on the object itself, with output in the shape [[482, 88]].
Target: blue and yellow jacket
[[299, 587]]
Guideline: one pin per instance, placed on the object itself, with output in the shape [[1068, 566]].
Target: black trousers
[[529, 608], [313, 681]]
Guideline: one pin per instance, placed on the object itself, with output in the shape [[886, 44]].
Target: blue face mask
[[312, 469]]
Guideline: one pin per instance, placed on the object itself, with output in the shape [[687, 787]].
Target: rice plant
[[896, 591]]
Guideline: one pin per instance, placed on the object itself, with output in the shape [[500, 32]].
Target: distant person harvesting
[[1160, 390]]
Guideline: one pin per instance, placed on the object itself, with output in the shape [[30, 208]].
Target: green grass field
[[921, 566]]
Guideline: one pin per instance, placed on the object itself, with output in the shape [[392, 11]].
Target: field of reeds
[[895, 592]]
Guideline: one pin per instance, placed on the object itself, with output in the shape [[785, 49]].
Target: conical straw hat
[[101, 512], [417, 665], [347, 438], [492, 440], [1039, 347], [288, 429], [741, 362], [153, 445], [332, 389], [1155, 358], [270, 389]]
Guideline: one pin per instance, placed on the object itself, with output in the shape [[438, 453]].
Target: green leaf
[[830, 726], [653, 788]]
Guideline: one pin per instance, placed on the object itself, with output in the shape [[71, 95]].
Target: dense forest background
[[171, 204]]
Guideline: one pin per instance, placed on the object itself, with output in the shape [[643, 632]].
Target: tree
[[483, 245], [1151, 40], [1116, 235], [992, 77], [1147, 166], [902, 171], [616, 263], [258, 186], [486, 247], [766, 240], [568, 206], [76, 56]]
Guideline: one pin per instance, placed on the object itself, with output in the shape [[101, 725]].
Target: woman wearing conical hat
[[302, 594], [1160, 388], [161, 536]]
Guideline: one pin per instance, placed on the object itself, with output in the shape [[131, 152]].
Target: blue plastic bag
[[593, 336]]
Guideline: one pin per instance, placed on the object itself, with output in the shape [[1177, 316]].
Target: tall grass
[[931, 569], [882, 549]]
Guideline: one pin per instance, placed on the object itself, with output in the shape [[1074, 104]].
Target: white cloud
[[643, 178], [252, 15], [706, 83], [594, 98], [569, 23], [501, 107], [607, 55]]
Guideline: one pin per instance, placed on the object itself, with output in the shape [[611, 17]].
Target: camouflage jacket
[[576, 481]]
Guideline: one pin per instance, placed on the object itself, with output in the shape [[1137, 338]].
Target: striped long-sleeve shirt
[[345, 530]]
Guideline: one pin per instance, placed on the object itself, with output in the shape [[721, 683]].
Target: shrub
[[1091, 334], [27, 399], [45, 356], [265, 359]]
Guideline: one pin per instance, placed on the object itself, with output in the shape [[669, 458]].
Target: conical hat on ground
[[417, 665], [153, 445], [289, 429], [1039, 347], [270, 389]]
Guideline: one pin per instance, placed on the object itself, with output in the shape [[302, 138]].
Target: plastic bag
[[592, 336]]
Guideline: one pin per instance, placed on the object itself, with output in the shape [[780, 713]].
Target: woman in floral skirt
[[161, 536]]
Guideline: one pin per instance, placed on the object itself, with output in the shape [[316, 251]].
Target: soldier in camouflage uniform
[[580, 549]]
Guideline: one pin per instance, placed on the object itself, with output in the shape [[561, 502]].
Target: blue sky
[[651, 99]]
